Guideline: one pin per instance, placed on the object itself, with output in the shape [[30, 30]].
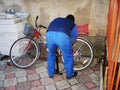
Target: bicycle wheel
[[83, 54], [24, 52]]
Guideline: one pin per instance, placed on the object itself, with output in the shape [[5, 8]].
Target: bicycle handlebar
[[42, 26], [36, 21], [39, 25]]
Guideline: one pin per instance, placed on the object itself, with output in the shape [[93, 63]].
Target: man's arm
[[73, 35]]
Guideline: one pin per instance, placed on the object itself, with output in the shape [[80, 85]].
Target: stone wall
[[98, 17], [93, 12]]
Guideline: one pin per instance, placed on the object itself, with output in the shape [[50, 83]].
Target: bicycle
[[26, 50]]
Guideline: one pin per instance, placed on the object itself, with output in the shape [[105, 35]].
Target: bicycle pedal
[[59, 73]]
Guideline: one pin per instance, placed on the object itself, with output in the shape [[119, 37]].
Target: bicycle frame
[[37, 35], [82, 49]]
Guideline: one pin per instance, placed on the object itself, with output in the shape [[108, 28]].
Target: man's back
[[61, 25]]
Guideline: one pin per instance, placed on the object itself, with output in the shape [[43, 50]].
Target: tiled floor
[[36, 78]]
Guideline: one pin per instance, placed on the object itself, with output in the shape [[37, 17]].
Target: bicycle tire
[[83, 55], [24, 52]]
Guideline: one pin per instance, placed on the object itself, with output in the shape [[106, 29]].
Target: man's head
[[71, 17]]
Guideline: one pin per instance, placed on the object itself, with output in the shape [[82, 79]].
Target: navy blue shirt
[[61, 25]]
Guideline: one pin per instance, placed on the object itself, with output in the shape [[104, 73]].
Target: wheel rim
[[24, 58], [84, 55]]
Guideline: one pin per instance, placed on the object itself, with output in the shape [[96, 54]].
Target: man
[[62, 34]]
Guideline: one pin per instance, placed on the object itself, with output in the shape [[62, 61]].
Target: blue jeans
[[59, 40]]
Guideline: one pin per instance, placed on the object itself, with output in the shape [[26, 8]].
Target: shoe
[[75, 74], [51, 76]]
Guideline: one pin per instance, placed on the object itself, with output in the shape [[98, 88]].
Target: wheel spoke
[[83, 55], [24, 52]]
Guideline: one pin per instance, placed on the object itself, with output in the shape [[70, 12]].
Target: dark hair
[[71, 17]]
